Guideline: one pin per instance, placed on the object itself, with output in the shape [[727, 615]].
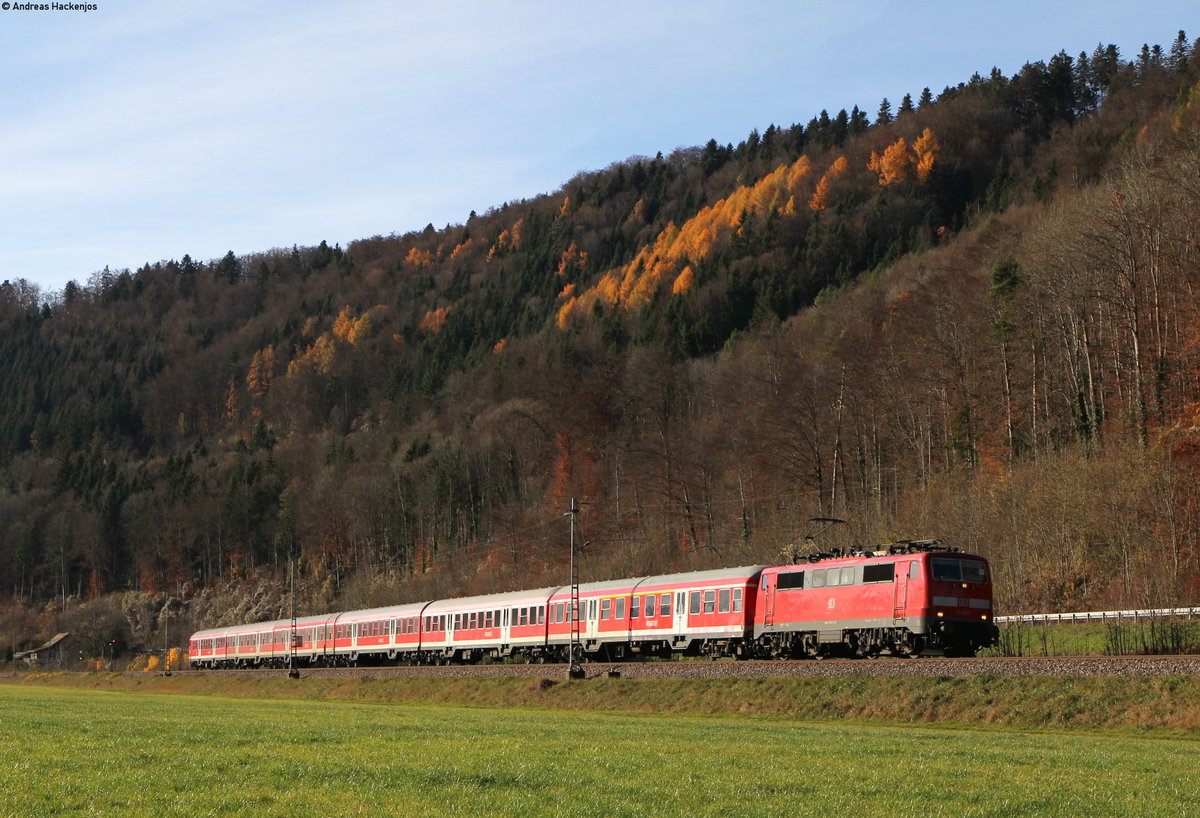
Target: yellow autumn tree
[[898, 160], [893, 165], [343, 323], [684, 281], [419, 258], [258, 377], [572, 260], [434, 320], [820, 197], [925, 150]]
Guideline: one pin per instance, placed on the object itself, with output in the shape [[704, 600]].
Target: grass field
[[86, 752], [1132, 636]]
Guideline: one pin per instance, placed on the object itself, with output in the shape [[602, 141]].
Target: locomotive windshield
[[947, 570]]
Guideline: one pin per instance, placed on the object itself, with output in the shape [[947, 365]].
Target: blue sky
[[142, 131]]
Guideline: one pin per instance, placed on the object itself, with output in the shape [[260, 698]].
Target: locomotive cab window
[[949, 570]]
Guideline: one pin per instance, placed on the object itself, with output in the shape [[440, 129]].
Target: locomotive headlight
[[964, 586], [941, 614], [984, 617]]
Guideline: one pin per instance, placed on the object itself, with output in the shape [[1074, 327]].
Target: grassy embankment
[[100, 752], [1090, 703]]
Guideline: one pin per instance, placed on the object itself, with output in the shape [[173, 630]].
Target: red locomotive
[[906, 599]]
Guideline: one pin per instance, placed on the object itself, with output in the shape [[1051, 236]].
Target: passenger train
[[906, 599]]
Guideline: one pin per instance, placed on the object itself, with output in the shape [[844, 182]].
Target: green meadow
[[99, 752]]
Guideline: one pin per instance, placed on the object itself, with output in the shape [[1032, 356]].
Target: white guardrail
[[1096, 616]]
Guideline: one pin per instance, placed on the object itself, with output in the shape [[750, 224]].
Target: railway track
[[830, 668]]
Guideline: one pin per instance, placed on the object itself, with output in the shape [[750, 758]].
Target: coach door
[[902, 569], [681, 612]]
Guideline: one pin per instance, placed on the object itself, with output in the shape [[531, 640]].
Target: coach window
[[848, 575], [592, 609], [817, 578], [710, 601], [723, 601], [694, 602], [635, 607], [605, 608], [664, 604], [621, 608], [541, 615], [737, 600]]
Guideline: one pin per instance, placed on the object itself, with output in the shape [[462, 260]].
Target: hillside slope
[[973, 319]]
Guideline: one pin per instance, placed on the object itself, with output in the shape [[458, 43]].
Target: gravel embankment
[[923, 667]]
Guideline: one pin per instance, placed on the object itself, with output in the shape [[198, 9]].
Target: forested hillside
[[971, 316]]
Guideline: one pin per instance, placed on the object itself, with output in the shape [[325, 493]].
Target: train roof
[[505, 600], [714, 575], [881, 555], [367, 614]]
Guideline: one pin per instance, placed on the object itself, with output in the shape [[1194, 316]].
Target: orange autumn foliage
[[434, 320], [820, 197], [892, 166], [572, 260], [925, 149], [679, 246], [684, 281], [898, 160], [419, 258]]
